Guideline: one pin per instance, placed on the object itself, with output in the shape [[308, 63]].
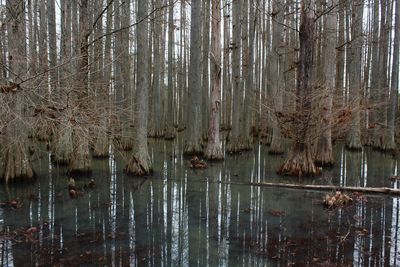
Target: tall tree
[[277, 72], [157, 125], [194, 131], [16, 164], [169, 123], [234, 144], [354, 134], [140, 162], [324, 153], [300, 161], [391, 145], [214, 146], [79, 161]]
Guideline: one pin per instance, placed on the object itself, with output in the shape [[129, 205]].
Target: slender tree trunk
[[300, 162], [227, 88], [158, 80], [140, 162], [214, 146], [205, 65], [79, 161], [15, 157], [169, 129], [194, 132], [391, 144], [277, 72], [61, 145], [354, 134], [234, 145], [52, 33], [248, 70], [324, 153]]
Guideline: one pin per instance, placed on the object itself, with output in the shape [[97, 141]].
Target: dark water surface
[[184, 217]]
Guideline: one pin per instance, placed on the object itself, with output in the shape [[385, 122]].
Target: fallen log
[[367, 190]]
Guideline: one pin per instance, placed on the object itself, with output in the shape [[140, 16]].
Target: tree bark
[[354, 134], [324, 153], [169, 129], [300, 162], [140, 162], [15, 159], [277, 72], [194, 132], [234, 145], [214, 146]]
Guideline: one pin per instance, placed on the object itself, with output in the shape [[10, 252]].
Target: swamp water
[[185, 217]]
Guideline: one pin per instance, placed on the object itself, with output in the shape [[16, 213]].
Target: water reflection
[[183, 217]]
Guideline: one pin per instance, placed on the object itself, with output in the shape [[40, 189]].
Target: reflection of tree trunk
[[300, 162]]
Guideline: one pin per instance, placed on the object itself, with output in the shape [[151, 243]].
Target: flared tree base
[[193, 148], [234, 146], [139, 165], [388, 143], [169, 133], [62, 147], [155, 133], [354, 143], [124, 143], [79, 162], [299, 164], [101, 148], [16, 165], [324, 154], [214, 152]]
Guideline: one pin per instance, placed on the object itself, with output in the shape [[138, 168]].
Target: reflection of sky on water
[[184, 217]]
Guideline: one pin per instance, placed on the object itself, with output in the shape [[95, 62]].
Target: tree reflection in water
[[183, 217]]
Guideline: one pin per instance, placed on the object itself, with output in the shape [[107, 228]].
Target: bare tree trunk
[[15, 158], [277, 72], [52, 33], [266, 131], [324, 153], [234, 145], [158, 81], [248, 71], [61, 145], [391, 144], [214, 146], [227, 88], [354, 134], [194, 132], [300, 162], [101, 143], [169, 129], [79, 161], [205, 65], [140, 163], [340, 57]]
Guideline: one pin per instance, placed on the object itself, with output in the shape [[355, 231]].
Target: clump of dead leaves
[[196, 163], [337, 199]]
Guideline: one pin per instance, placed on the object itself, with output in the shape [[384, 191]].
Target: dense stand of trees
[[91, 74]]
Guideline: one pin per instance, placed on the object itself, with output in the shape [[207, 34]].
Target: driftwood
[[367, 190]]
